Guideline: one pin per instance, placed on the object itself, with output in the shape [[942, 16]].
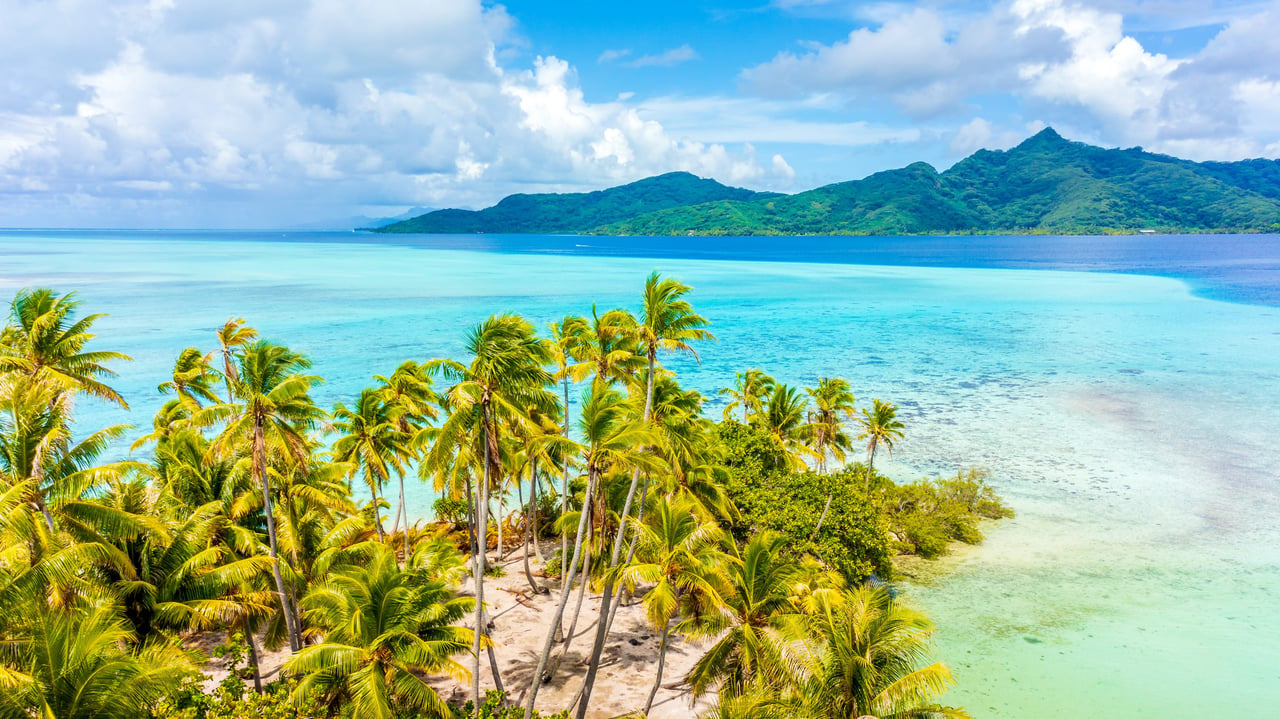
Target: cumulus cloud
[[1065, 62], [229, 112]]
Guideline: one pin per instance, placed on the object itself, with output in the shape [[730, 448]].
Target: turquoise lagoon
[[1131, 419]]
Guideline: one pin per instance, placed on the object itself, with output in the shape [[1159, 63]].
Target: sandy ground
[[520, 621]]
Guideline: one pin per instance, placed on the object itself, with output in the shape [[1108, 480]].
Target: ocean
[[1123, 391]]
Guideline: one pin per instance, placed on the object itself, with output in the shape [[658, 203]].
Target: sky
[[242, 113]]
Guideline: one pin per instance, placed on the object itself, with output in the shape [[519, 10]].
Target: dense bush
[[928, 515], [854, 534]]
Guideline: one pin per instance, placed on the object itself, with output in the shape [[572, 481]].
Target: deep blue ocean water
[[1122, 390]]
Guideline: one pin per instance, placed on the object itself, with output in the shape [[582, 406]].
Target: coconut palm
[[191, 380], [505, 378], [273, 412], [233, 336], [384, 628], [867, 661], [86, 664], [409, 391], [832, 403], [880, 427], [612, 441], [566, 336], [680, 556], [785, 419], [749, 392], [667, 323], [753, 652], [373, 443], [44, 342]]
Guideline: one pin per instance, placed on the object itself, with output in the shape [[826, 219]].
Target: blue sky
[[234, 113]]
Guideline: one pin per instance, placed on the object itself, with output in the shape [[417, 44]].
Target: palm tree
[[680, 556], [613, 441], [880, 426], [383, 629], [749, 392], [86, 664], [667, 323], [866, 662], [191, 379], [233, 336], [372, 440], [408, 390], [785, 420], [505, 378], [753, 652], [273, 412], [45, 342], [832, 402], [566, 337]]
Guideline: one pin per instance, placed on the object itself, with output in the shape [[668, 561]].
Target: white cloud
[[611, 55], [1062, 62], [213, 112], [669, 58]]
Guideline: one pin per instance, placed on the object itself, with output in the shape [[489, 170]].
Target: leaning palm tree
[[44, 341], [505, 378], [372, 443], [667, 323], [749, 392], [754, 650], [273, 411], [384, 628], [866, 661], [880, 426], [680, 557]]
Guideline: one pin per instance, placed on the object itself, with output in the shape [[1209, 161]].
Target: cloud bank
[[239, 113]]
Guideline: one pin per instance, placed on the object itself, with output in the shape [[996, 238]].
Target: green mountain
[[577, 212], [1045, 185]]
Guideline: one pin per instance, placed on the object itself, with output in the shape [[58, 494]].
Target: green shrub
[[929, 514], [448, 509]]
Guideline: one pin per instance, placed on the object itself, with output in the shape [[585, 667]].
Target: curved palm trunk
[[528, 530], [871, 462], [260, 469], [533, 514], [582, 591], [253, 656], [606, 598], [662, 660], [568, 573], [377, 511], [482, 537]]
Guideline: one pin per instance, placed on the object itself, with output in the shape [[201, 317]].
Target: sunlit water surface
[[1131, 420]]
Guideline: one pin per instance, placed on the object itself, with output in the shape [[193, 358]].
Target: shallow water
[[1130, 419]]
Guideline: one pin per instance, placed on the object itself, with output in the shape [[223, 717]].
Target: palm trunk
[[482, 535], [582, 591], [822, 517], [631, 549], [260, 468], [253, 656], [502, 547], [377, 511], [662, 660], [402, 512], [568, 572], [564, 486], [606, 598], [533, 513], [528, 573], [871, 462]]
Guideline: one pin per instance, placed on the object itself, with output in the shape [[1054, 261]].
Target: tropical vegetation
[[247, 511]]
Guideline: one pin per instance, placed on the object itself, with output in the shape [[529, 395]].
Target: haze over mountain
[[1045, 184]]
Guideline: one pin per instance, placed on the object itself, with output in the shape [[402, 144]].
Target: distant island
[[1046, 185]]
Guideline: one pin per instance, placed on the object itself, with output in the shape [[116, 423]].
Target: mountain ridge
[[1046, 184]]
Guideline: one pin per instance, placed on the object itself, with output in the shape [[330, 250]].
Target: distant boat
[[1147, 232]]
